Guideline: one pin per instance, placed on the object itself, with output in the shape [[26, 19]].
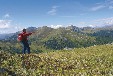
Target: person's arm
[[28, 34]]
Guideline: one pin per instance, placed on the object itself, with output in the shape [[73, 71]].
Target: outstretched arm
[[28, 34]]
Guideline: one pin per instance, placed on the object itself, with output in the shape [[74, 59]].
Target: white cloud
[[97, 23], [102, 22], [108, 4], [53, 10], [106, 21], [5, 23], [110, 7], [6, 15], [91, 25], [97, 7], [56, 26], [7, 26]]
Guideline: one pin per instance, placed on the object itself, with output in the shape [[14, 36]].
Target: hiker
[[22, 37]]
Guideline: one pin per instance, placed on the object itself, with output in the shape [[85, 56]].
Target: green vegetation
[[90, 61], [45, 39], [103, 36], [59, 52]]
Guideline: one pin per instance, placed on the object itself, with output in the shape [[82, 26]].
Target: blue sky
[[18, 14]]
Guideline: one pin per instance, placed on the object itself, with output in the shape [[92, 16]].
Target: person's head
[[24, 30]]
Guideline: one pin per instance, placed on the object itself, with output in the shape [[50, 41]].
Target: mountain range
[[4, 36], [47, 38]]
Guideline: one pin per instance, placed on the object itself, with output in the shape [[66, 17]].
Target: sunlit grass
[[94, 60]]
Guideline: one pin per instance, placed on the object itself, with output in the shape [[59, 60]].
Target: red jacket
[[25, 35]]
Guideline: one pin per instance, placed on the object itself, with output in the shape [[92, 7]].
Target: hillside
[[61, 38], [45, 39], [90, 61], [3, 36]]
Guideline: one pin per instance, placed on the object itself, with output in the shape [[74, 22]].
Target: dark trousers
[[25, 46]]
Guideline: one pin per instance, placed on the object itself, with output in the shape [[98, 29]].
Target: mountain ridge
[[46, 38]]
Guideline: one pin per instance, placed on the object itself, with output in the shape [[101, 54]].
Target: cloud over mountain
[[102, 22], [4, 24], [7, 26], [56, 26]]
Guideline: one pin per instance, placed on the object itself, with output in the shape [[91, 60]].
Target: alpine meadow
[[69, 51], [56, 37]]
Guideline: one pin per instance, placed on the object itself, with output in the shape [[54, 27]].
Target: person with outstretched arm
[[22, 37]]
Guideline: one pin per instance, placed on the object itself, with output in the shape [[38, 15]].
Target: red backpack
[[20, 37]]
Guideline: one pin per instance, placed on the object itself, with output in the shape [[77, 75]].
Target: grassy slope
[[95, 60]]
